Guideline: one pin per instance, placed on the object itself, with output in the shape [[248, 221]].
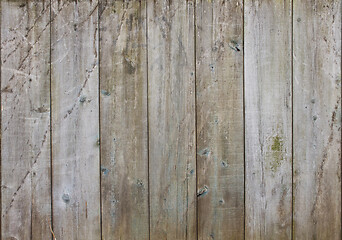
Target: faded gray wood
[[75, 119], [220, 144], [124, 159], [268, 119], [25, 114], [317, 119], [180, 83], [171, 113]]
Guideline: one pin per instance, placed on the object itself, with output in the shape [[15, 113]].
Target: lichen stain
[[277, 153], [277, 144]]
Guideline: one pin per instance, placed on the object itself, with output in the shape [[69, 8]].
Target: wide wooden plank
[[123, 86], [268, 119], [25, 126], [75, 119], [220, 144], [317, 119], [171, 108]]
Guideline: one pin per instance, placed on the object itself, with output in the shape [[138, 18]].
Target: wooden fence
[[182, 119]]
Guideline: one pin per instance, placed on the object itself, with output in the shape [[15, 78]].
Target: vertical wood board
[[220, 144], [25, 115], [171, 114], [317, 119], [123, 94], [75, 119], [268, 119]]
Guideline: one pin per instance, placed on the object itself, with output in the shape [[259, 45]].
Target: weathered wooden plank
[[25, 135], [171, 104], [317, 119], [75, 119], [220, 144], [268, 119], [123, 86]]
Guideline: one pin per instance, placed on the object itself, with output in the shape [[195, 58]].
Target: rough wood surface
[[189, 119], [25, 108], [220, 146], [171, 105], [268, 119], [317, 119], [123, 87], [75, 119]]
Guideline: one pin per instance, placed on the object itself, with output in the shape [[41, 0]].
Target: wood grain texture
[[190, 119], [124, 158], [25, 108], [268, 119], [75, 119], [220, 144], [317, 119], [171, 104]]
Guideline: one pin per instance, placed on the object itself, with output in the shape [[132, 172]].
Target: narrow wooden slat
[[171, 104], [317, 119], [75, 119], [268, 119], [220, 145], [25, 135], [124, 160]]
